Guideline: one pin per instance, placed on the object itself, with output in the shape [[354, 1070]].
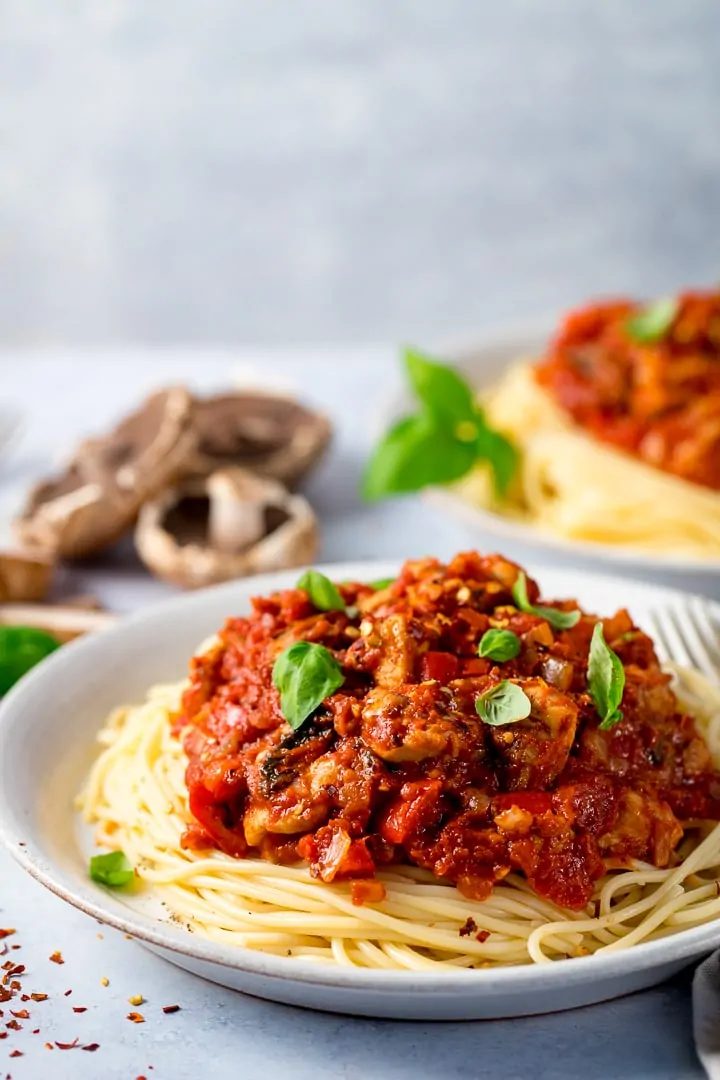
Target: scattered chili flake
[[92, 1047], [13, 969], [68, 993], [22, 1014], [482, 936], [67, 1046], [14, 1025], [39, 997], [468, 928], [57, 957], [36, 1031], [79, 1008], [136, 1017], [5, 995], [100, 937], [16, 1053], [24, 997], [104, 981], [3, 1034], [136, 999], [7, 933], [49, 1046], [171, 1008]]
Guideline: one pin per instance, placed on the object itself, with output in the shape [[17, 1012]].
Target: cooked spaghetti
[[433, 840], [619, 438]]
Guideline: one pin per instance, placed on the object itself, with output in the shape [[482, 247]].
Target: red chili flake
[[171, 1008], [79, 1008], [7, 933], [469, 928], [67, 1046], [22, 1014], [482, 935], [92, 1047], [16, 1053], [68, 993], [13, 1025], [49, 1046], [39, 997], [25, 997], [57, 957], [136, 1017], [5, 995], [36, 1031], [3, 1034]]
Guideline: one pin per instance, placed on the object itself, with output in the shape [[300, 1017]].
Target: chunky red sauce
[[397, 766], [659, 400]]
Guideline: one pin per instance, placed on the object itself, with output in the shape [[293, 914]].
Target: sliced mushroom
[[24, 575], [271, 435], [228, 525], [98, 496]]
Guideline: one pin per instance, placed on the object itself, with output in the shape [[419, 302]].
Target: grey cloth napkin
[[706, 1014]]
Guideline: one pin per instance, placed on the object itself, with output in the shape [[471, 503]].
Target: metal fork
[[687, 633]]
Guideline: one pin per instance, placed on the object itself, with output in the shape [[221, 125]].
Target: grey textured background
[[289, 170]]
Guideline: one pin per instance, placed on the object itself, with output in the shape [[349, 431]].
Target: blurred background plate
[[483, 364]]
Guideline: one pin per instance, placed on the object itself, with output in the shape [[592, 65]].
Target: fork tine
[[706, 628], [666, 635], [655, 631], [689, 635]]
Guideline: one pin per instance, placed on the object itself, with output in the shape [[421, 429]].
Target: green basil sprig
[[442, 441], [505, 703], [499, 645], [605, 679], [305, 674], [321, 591], [21, 648], [559, 620], [113, 869], [652, 323]]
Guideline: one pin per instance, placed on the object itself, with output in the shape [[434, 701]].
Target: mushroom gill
[[224, 526], [272, 435]]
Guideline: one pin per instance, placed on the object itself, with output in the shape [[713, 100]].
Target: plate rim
[[100, 904]]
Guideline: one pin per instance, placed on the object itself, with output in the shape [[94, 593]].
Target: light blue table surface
[[220, 1033]]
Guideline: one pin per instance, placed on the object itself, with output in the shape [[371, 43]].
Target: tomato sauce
[[656, 396], [397, 766]]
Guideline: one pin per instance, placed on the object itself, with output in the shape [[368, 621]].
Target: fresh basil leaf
[[414, 454], [605, 679], [321, 591], [499, 645], [559, 620], [113, 869], [653, 322], [500, 454], [441, 389], [305, 674], [21, 648], [381, 583], [505, 703]]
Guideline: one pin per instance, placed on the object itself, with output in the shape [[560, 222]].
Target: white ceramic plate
[[48, 725], [484, 365]]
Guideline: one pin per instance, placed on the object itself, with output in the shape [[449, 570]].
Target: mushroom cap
[[98, 496], [25, 575], [225, 526], [270, 434]]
